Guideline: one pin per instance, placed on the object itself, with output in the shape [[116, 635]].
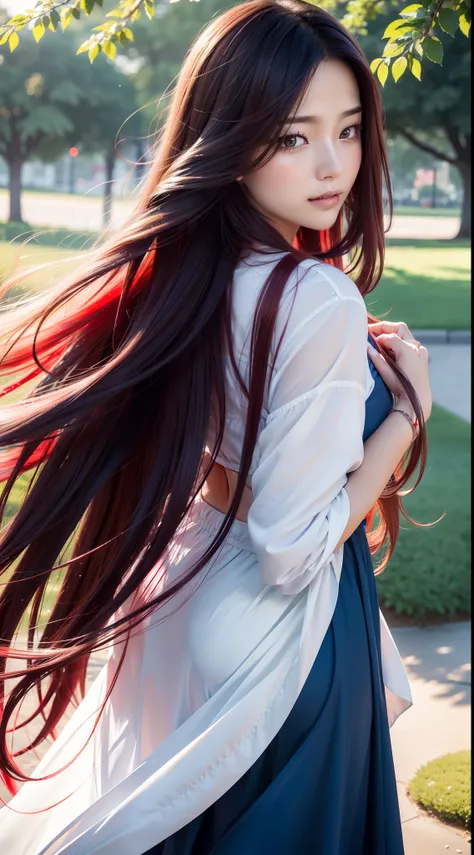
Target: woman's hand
[[411, 357], [389, 327]]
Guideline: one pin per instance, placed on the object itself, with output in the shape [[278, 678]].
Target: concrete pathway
[[438, 664], [450, 374], [84, 213]]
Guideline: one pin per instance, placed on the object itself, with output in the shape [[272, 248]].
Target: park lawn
[[419, 211], [426, 284], [14, 256], [428, 573], [429, 569]]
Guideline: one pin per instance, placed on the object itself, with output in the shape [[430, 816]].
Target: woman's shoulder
[[314, 281], [318, 296], [317, 282], [315, 296]]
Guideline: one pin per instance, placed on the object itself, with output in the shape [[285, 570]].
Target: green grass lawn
[[443, 786], [429, 570], [427, 284], [15, 257], [428, 573]]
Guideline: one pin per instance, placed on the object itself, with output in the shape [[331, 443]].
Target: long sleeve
[[312, 437]]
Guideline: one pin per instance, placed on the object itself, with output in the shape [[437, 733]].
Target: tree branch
[[454, 138], [426, 147], [32, 143]]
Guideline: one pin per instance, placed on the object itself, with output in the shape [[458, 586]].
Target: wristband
[[414, 422]]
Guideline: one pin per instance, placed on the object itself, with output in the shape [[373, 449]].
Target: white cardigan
[[161, 755]]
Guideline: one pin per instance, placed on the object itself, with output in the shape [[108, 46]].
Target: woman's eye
[[290, 141], [356, 128]]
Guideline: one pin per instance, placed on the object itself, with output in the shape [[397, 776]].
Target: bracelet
[[414, 422]]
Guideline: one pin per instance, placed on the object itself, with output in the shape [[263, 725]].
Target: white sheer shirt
[[169, 743]]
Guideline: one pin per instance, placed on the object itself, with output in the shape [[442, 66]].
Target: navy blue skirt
[[325, 785]]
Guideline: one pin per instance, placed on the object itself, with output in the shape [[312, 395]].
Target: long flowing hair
[[125, 358]]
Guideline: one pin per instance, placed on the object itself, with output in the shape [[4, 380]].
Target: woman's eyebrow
[[314, 119]]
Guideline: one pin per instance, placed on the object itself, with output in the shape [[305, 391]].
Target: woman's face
[[320, 152]]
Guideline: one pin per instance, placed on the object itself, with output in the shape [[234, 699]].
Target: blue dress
[[325, 785]]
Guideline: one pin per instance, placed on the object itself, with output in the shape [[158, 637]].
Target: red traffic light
[[73, 151]]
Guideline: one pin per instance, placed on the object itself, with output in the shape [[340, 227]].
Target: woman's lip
[[328, 201]]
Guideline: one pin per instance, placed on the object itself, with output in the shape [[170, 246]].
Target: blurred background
[[75, 141]]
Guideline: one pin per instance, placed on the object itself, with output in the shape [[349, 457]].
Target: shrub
[[443, 786]]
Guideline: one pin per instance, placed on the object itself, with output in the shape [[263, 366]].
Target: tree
[[409, 34], [47, 106], [160, 46], [419, 31], [436, 116], [109, 108]]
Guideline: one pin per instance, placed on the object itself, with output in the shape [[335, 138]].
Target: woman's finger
[[395, 343], [382, 367], [400, 328]]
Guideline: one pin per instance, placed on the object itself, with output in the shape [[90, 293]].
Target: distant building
[[426, 177]]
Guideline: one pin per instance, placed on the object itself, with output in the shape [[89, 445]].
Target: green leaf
[[419, 48], [66, 18], [375, 64], [464, 25], [433, 49], [149, 8], [18, 19], [414, 65], [13, 41], [127, 33], [4, 36], [448, 21], [392, 49], [87, 6], [382, 73], [76, 13], [110, 50], [93, 52], [38, 31], [399, 67], [54, 20], [409, 10], [398, 25], [84, 47]]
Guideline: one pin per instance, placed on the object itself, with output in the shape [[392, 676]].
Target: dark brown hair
[[128, 354]]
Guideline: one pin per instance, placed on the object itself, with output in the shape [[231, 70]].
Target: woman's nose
[[328, 164]]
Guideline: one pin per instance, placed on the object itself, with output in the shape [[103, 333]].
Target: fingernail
[[372, 350]]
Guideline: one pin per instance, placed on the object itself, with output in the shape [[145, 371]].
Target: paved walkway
[[438, 664], [450, 375], [84, 213]]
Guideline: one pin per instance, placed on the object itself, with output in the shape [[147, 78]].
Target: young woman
[[215, 428]]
